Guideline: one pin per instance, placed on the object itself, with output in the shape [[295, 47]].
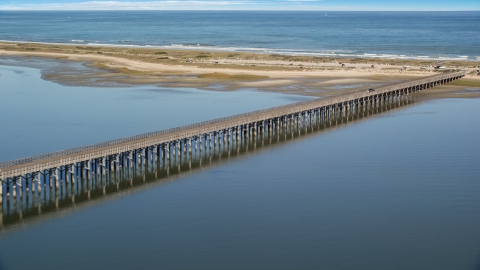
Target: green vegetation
[[202, 56], [161, 53]]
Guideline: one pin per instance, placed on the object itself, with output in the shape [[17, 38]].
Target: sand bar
[[227, 71]]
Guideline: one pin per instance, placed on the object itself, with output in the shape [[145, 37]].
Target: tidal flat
[[227, 71]]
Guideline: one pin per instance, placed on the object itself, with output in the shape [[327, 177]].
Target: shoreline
[[227, 71], [336, 54]]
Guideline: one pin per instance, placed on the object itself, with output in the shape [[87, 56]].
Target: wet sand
[[222, 71]]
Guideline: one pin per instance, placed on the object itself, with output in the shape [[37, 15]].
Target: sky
[[324, 5]]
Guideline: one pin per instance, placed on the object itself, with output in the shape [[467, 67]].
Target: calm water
[[398, 190], [434, 35], [40, 116]]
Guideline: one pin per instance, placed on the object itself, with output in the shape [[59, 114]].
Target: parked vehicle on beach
[[370, 90], [440, 67]]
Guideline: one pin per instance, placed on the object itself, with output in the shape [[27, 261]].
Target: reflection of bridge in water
[[66, 177], [103, 184]]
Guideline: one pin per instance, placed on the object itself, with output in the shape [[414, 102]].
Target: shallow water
[[398, 190], [40, 116]]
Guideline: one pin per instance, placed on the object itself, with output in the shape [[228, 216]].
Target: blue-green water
[[398, 190], [402, 35]]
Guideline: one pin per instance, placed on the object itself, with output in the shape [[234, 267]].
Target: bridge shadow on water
[[50, 202]]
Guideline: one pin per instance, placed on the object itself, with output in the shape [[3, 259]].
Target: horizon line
[[274, 10]]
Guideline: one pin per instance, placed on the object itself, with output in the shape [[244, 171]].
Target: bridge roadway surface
[[21, 167]]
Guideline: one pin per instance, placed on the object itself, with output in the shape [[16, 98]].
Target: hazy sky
[[374, 5]]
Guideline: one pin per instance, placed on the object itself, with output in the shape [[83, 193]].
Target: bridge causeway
[[65, 166]]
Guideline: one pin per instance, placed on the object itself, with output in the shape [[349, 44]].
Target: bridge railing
[[204, 123]]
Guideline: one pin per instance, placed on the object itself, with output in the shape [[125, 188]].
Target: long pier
[[51, 203], [57, 168]]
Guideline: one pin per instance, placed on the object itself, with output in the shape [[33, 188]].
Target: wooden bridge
[[56, 167], [49, 203]]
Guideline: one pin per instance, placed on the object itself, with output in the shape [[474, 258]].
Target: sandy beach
[[223, 71]]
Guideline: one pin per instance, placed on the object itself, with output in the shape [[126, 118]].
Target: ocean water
[[403, 35]]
